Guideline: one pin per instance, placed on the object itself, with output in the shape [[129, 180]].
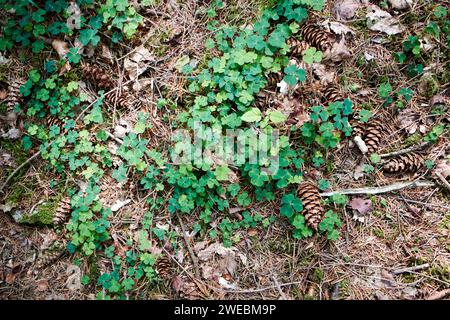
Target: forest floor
[[392, 245]]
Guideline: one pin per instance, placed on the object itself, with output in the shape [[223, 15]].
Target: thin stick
[[18, 169], [407, 150], [384, 189], [411, 269], [443, 180], [188, 245], [261, 289], [275, 281]]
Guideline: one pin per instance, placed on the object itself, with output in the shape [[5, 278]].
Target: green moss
[[43, 214], [411, 140], [378, 232], [318, 275], [429, 85]]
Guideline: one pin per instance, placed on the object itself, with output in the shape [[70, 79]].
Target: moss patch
[[43, 214]]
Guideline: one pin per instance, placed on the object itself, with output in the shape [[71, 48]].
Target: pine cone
[[373, 134], [331, 94], [55, 121], [403, 163], [163, 266], [14, 95], [122, 101], [98, 76], [274, 78], [262, 100], [62, 212], [358, 127], [315, 36], [297, 46], [313, 210], [50, 255]]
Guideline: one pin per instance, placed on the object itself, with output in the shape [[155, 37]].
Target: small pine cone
[[373, 135], [297, 46], [48, 257], [315, 36], [98, 76], [62, 212], [123, 101], [14, 95], [261, 100], [55, 121], [358, 128], [331, 94], [313, 210], [409, 162], [163, 266], [274, 78]]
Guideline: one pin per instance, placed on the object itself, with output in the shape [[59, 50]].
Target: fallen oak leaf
[[363, 206]]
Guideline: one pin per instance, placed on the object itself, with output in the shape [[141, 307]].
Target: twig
[[443, 180], [411, 269], [384, 189], [18, 169], [407, 150], [188, 245], [277, 285], [439, 295], [261, 289]]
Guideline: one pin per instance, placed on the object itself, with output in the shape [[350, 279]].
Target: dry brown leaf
[[61, 47], [401, 4], [363, 206], [177, 283], [408, 120], [42, 285], [339, 51], [443, 168], [10, 277], [3, 94], [382, 21], [345, 9], [73, 281]]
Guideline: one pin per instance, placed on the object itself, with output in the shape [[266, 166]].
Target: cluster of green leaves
[[327, 124], [225, 92], [89, 223], [437, 27], [32, 22]]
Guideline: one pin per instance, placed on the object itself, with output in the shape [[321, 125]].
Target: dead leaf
[[401, 4], [408, 120], [42, 285], [443, 168], [106, 53], [177, 283], [326, 76], [3, 94], [74, 19], [61, 47], [338, 28], [345, 9], [338, 52], [382, 21], [73, 281], [10, 277], [363, 206], [138, 62], [439, 99]]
